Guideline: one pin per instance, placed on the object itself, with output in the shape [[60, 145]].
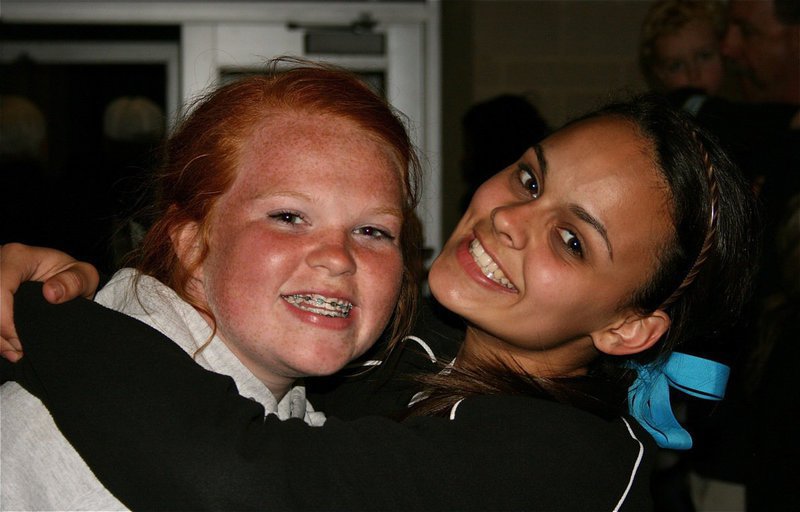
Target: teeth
[[320, 305], [488, 266]]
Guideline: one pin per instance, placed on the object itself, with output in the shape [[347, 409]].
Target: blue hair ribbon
[[648, 396]]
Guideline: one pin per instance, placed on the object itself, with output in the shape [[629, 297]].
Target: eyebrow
[[395, 212], [598, 226], [381, 210], [541, 159], [282, 193]]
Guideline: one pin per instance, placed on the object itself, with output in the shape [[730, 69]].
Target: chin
[[439, 292], [323, 365], [437, 275], [445, 286]]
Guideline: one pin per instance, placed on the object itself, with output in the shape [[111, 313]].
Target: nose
[[512, 224], [732, 42], [333, 254]]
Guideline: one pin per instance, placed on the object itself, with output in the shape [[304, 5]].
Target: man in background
[[763, 45], [744, 447]]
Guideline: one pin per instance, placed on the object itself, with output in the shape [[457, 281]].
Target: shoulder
[[599, 460], [552, 420], [31, 309], [37, 321]]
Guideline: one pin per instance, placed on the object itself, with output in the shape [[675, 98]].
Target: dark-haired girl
[[577, 271]]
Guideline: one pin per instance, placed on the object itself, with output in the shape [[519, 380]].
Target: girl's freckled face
[[574, 227], [304, 267]]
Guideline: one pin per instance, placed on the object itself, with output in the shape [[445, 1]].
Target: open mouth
[[320, 305], [488, 266]]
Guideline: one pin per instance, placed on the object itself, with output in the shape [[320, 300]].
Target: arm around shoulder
[[145, 416]]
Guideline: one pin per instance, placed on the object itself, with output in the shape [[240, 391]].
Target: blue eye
[[287, 217], [376, 233], [571, 242], [528, 180]]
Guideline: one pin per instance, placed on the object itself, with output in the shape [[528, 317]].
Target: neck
[[278, 385], [562, 359]]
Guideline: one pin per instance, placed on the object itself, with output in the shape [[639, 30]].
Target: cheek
[[557, 290], [445, 278], [379, 286], [223, 284], [492, 192], [245, 269]]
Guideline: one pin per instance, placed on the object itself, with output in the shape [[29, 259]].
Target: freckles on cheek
[[228, 284], [385, 280], [396, 269]]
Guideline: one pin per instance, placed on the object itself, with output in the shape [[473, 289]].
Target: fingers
[[78, 279], [11, 355], [10, 270], [66, 279]]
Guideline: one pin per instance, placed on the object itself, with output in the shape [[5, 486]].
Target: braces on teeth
[[487, 265], [320, 305]]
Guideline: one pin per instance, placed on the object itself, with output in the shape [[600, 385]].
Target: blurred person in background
[[679, 46], [762, 47], [762, 43]]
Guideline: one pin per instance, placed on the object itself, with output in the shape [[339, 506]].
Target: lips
[[488, 267], [320, 304]]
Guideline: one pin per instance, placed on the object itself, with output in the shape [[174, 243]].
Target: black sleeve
[[162, 433], [6, 371], [387, 389]]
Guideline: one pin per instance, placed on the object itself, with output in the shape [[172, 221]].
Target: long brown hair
[[703, 277]]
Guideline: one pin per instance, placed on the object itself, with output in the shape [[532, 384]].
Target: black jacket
[[162, 433]]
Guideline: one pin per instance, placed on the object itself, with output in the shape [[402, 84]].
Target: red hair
[[203, 152]]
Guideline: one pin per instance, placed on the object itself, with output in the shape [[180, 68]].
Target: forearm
[[162, 433], [92, 383]]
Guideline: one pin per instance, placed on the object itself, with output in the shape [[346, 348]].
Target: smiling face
[[304, 264], [551, 247], [690, 57]]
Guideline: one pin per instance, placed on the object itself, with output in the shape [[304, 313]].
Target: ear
[[633, 334], [187, 243]]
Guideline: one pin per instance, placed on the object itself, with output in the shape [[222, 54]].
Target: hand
[[64, 278]]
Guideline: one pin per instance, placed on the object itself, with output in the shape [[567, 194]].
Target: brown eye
[[571, 242], [287, 217], [375, 233], [528, 181]]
